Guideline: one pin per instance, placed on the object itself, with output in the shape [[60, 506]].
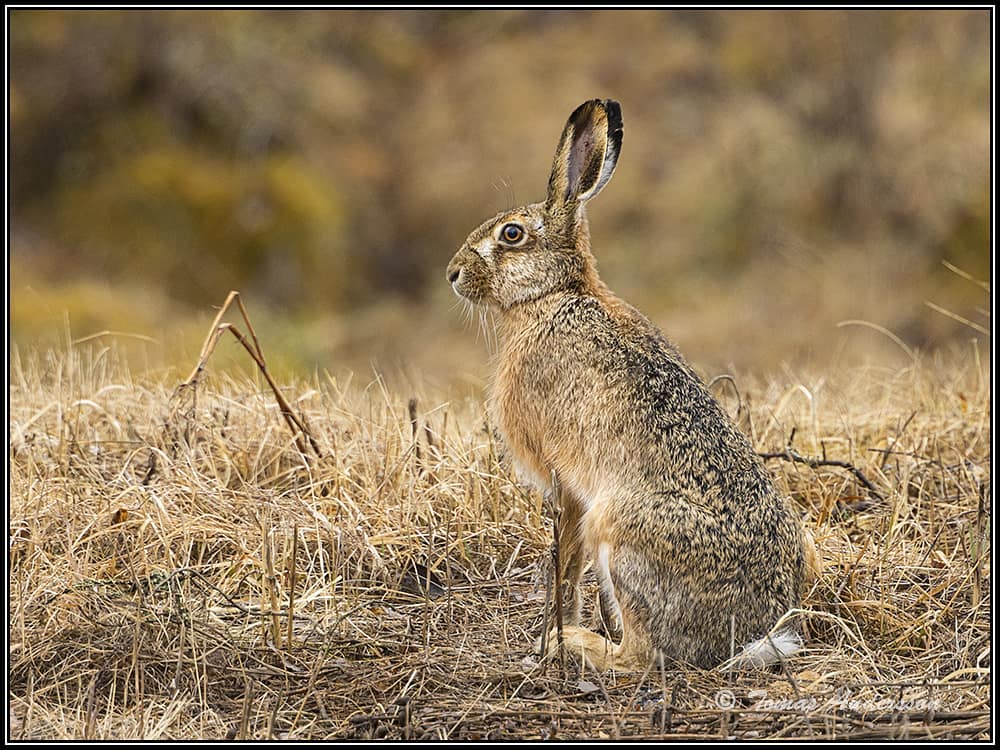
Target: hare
[[695, 549]]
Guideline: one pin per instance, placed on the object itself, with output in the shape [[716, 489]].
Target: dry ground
[[178, 569]]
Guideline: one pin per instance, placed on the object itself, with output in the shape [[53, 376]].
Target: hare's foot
[[595, 650]]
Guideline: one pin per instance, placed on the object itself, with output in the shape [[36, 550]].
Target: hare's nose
[[453, 274]]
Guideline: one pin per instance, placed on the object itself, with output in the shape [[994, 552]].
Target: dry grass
[[178, 569]]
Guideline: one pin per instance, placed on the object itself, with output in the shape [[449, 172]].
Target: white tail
[[768, 650]]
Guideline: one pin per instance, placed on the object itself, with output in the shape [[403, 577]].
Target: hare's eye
[[512, 233]]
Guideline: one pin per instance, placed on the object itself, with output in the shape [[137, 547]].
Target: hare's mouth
[[455, 277], [459, 278]]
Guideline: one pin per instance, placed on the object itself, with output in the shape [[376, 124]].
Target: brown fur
[[689, 535]]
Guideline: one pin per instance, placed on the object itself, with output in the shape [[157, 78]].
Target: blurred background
[[784, 174]]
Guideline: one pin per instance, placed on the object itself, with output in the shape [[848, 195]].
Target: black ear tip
[[614, 110]]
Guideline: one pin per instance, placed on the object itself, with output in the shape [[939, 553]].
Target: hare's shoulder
[[583, 339], [615, 338]]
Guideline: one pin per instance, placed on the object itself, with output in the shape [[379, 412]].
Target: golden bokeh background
[[783, 174]]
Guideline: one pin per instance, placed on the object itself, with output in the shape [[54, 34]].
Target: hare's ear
[[587, 152]]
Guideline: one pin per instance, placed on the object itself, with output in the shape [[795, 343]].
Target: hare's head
[[529, 252]]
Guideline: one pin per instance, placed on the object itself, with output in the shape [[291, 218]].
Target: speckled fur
[[700, 550]]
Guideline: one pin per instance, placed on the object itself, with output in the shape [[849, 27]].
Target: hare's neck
[[521, 326], [590, 282], [527, 317], [528, 314]]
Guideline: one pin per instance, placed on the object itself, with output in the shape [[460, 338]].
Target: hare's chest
[[521, 422]]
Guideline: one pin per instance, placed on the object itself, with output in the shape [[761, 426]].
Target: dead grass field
[[178, 569]]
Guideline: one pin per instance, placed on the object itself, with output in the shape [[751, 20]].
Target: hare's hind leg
[[591, 648], [631, 655], [634, 650]]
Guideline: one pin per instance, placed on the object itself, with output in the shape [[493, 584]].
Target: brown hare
[[695, 549]]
